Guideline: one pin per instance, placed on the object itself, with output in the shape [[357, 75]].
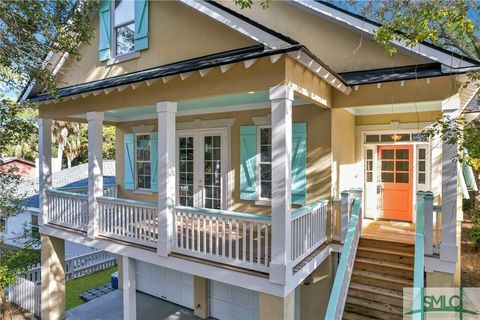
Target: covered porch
[[194, 199]]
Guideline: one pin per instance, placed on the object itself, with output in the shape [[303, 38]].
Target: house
[[24, 167], [72, 179], [237, 132]]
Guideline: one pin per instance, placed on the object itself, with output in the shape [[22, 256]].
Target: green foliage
[[109, 142], [476, 233], [14, 261], [244, 4], [32, 30]]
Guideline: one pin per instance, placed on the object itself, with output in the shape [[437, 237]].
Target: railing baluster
[[244, 242], [259, 243], [237, 256], [251, 242], [223, 237], [230, 238]]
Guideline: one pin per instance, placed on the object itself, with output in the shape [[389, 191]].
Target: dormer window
[[123, 27]]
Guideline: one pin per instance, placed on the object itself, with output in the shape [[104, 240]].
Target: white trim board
[[359, 25]]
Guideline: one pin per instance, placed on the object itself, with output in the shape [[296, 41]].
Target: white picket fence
[[26, 291], [25, 294]]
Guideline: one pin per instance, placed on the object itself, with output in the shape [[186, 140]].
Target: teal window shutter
[[154, 161], [141, 25], [299, 163], [248, 162], [129, 161], [105, 27], [469, 175]]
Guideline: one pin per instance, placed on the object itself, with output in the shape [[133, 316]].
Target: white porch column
[[448, 246], [45, 165], [166, 174], [95, 169], [129, 289], [281, 98]]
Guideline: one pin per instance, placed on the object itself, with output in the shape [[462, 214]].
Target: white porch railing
[[128, 220], [67, 209], [309, 229], [239, 239]]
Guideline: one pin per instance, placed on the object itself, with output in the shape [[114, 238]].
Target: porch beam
[[129, 285], [95, 170], [448, 246], [166, 174], [281, 98], [45, 165]]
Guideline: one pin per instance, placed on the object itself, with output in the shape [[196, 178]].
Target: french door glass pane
[[186, 171], [212, 172]]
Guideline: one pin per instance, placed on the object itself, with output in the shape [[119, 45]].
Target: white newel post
[[45, 165], [166, 174], [448, 246], [129, 284], [344, 215], [95, 169], [281, 98], [428, 222]]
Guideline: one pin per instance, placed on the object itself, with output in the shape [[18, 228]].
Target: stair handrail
[[424, 199], [338, 296]]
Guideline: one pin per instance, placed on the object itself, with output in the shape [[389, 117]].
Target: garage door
[[230, 303], [171, 285]]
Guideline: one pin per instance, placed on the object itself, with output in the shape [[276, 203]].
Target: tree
[[31, 31]]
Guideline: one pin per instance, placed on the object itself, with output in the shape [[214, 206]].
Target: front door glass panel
[[186, 171], [212, 172]]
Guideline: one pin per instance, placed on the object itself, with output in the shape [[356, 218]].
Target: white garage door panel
[[230, 302], [171, 285]]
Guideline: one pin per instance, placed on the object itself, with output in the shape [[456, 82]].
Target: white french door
[[202, 168]]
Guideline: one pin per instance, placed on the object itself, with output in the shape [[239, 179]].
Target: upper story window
[[123, 27], [143, 162]]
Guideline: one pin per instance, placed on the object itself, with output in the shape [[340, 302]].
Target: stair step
[[385, 267], [380, 280], [373, 309], [385, 255], [386, 251], [374, 293], [349, 315], [385, 244]]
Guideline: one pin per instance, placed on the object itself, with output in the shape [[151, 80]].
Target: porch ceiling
[[226, 103]]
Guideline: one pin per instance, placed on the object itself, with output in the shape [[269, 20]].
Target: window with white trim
[[264, 169], [422, 165], [142, 162], [123, 32]]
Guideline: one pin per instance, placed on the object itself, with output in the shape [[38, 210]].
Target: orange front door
[[396, 182]]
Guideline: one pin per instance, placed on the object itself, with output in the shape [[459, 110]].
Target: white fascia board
[[237, 24], [365, 26]]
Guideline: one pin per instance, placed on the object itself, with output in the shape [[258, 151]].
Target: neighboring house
[[234, 137], [74, 178], [24, 167]]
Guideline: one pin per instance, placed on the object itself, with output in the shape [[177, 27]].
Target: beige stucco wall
[[314, 297], [176, 33], [407, 117], [438, 88], [340, 48], [318, 152]]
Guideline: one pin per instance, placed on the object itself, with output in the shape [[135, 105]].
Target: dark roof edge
[[253, 23], [257, 51], [355, 15]]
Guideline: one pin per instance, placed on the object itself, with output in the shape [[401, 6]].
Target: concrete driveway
[[110, 307]]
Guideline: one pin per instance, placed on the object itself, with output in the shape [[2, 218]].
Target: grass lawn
[[76, 286]]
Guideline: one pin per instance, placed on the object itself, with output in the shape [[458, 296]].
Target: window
[[422, 165], [265, 163], [142, 162], [369, 165], [123, 27], [185, 171]]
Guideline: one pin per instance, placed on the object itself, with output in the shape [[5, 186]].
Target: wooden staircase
[[381, 270]]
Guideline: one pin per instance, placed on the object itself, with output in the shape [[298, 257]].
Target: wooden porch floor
[[394, 231]]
